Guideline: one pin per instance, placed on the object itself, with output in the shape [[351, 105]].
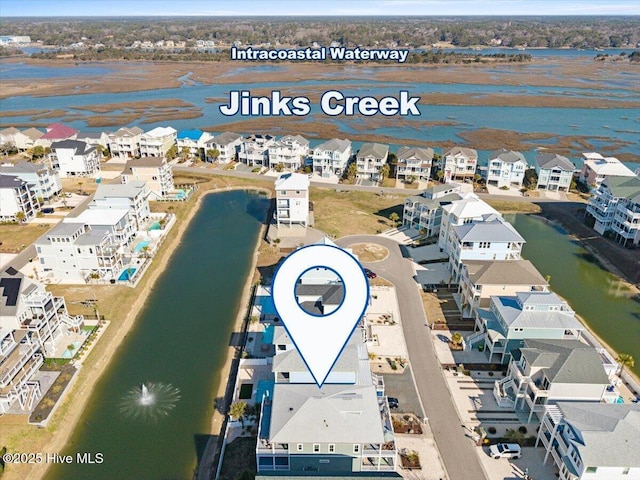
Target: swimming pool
[[140, 246], [127, 274], [154, 226], [70, 353]]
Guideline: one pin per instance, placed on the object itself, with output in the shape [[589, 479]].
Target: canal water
[[599, 297], [179, 342]]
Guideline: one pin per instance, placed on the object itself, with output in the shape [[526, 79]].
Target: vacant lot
[[15, 237]]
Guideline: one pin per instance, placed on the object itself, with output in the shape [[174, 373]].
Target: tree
[[185, 153], [213, 153], [514, 435], [237, 410], [20, 216], [384, 171], [625, 360], [411, 179], [351, 171], [394, 217], [392, 160], [530, 179], [172, 152], [37, 152], [456, 338], [279, 167], [439, 175]]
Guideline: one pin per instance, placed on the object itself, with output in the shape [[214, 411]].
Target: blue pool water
[[267, 336], [264, 387], [140, 246], [70, 353], [154, 226], [127, 274]]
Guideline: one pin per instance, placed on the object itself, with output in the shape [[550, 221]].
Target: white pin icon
[[320, 338]]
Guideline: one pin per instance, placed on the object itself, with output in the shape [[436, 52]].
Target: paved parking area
[[508, 469], [401, 386], [431, 465]]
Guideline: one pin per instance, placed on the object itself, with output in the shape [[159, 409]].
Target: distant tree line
[[551, 32]]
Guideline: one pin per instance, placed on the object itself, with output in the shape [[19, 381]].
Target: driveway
[[457, 452]]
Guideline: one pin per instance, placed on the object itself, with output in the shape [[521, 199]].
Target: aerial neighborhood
[[516, 345]]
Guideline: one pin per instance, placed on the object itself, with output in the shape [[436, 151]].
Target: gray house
[[555, 172]]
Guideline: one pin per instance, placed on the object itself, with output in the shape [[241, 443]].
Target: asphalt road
[[456, 450]]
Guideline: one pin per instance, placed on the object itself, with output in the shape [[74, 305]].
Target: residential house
[[56, 132], [254, 150], [482, 279], [27, 305], [133, 196], [489, 239], [331, 157], [17, 201], [195, 140], [42, 180], [370, 159], [75, 252], [592, 441], [117, 221], [155, 171], [20, 360], [157, 142], [551, 371], [424, 212], [615, 208], [125, 142], [8, 136], [100, 140], [459, 163], [26, 139], [596, 168], [74, 159], [288, 153], [506, 168], [510, 320], [227, 144], [466, 210], [555, 172], [292, 199], [414, 162]]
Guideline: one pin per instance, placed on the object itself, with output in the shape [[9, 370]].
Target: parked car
[[505, 450], [393, 402], [369, 273], [48, 210]]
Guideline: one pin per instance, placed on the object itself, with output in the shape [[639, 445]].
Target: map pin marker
[[320, 338]]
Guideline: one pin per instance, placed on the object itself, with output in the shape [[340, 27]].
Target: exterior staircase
[[474, 339]]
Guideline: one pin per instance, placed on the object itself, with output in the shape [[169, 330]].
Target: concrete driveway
[[457, 451]]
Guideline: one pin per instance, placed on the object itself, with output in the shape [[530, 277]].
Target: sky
[[102, 8]]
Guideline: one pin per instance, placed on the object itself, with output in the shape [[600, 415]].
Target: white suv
[[505, 450]]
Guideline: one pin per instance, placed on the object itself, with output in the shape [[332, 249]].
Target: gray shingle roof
[[335, 144], [514, 316], [488, 231], [11, 181], [119, 190], [610, 432], [503, 272], [566, 361], [376, 150], [467, 152], [77, 145], [623, 187], [225, 138], [23, 167], [549, 161], [433, 203], [145, 162], [422, 154], [507, 156]]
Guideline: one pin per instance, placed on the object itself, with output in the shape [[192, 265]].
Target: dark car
[[369, 273], [48, 210], [393, 402]]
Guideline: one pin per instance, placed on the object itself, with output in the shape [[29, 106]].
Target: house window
[[300, 447], [485, 245], [332, 448], [316, 447], [592, 469], [518, 329], [356, 448]]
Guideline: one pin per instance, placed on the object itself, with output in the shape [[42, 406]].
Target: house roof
[[503, 272], [433, 203], [11, 181], [507, 156], [295, 138], [609, 166], [335, 144], [120, 190], [160, 132], [77, 145], [280, 336], [58, 131], [376, 150], [90, 135], [566, 361], [32, 133], [623, 187], [291, 361], [11, 283], [193, 134], [225, 138], [111, 216], [470, 206], [292, 181], [331, 414], [514, 316], [94, 236], [62, 229], [464, 151], [549, 161], [146, 162], [422, 154], [330, 294], [9, 131], [439, 188], [22, 167], [610, 432], [488, 231], [128, 132]]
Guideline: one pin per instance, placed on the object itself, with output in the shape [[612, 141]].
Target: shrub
[[523, 430], [491, 430]]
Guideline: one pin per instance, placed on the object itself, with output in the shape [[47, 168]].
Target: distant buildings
[[555, 172], [414, 162], [459, 163], [424, 212], [506, 168], [597, 168], [56, 132], [73, 158], [17, 201], [292, 199], [154, 171], [41, 179], [254, 150], [132, 196], [194, 140], [288, 153], [157, 142], [227, 145], [125, 142]]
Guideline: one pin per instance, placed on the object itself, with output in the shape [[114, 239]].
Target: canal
[[599, 297], [177, 346]]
